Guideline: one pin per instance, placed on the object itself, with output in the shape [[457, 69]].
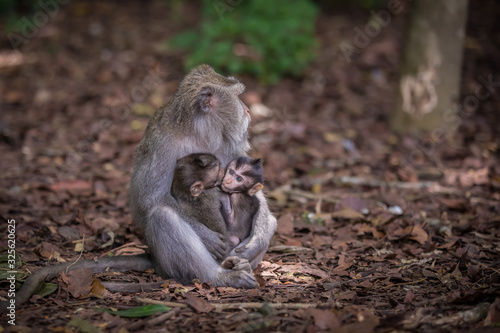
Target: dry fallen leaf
[[348, 214], [79, 281], [324, 319], [49, 251], [198, 304], [285, 224], [72, 186]]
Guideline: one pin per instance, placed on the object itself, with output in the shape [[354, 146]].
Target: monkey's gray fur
[[204, 116]]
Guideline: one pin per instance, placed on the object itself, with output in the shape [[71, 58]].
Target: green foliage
[[7, 7], [46, 288], [262, 38], [140, 311], [6, 265], [365, 4], [371, 4], [13, 11]]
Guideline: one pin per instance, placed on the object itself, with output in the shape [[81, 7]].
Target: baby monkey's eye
[[231, 171], [239, 179]]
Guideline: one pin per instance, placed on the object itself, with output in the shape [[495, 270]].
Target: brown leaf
[[367, 322], [416, 232], [49, 251], [454, 204], [382, 218], [363, 229], [285, 224], [79, 281], [493, 317], [198, 304], [409, 297], [102, 223], [304, 269], [69, 233], [97, 289], [324, 319], [348, 214], [291, 241], [75, 185], [355, 203], [260, 280], [349, 296], [456, 274], [474, 177], [344, 263]]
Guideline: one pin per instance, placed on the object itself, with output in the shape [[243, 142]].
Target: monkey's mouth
[[225, 189]]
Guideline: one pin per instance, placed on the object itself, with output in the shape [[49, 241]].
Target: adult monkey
[[205, 116]]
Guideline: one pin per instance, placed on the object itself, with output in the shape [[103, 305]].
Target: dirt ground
[[377, 232]]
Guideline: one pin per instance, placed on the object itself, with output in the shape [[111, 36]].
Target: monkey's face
[[236, 178]]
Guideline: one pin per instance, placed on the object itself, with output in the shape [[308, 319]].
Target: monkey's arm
[[214, 242], [225, 208], [264, 225], [141, 263]]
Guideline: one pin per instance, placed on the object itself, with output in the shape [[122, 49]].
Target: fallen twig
[[116, 250], [124, 287], [231, 306], [431, 186], [485, 266], [477, 313], [405, 283], [288, 249], [79, 256], [154, 321], [312, 196]]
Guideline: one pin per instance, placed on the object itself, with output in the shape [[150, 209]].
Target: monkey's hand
[[213, 241]]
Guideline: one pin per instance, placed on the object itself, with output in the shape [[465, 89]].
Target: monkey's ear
[[207, 99], [257, 161], [256, 188], [196, 188]]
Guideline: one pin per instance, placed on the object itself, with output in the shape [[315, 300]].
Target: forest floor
[[377, 232]]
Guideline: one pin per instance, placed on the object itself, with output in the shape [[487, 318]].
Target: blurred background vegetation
[[262, 40], [265, 41]]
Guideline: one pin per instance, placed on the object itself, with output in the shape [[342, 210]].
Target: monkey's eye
[[231, 171], [239, 179]]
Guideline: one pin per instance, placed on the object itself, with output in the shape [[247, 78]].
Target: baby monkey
[[243, 178], [229, 213], [194, 187]]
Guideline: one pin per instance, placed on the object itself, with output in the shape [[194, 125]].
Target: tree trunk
[[429, 85]]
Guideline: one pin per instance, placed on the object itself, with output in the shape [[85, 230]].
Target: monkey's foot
[[236, 279], [236, 273], [237, 264]]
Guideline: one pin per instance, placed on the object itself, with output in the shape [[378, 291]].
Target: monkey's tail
[[140, 262]]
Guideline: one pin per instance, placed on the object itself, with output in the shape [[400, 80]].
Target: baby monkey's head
[[198, 172], [243, 175]]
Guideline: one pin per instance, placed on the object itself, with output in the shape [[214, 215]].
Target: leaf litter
[[364, 243]]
